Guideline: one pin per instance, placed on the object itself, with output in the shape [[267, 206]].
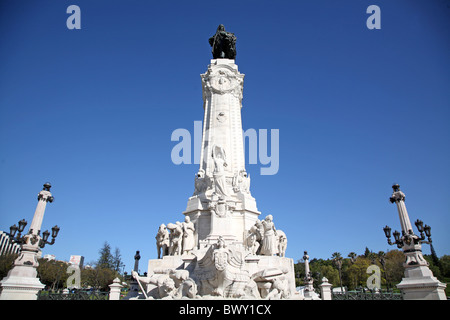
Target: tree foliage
[[354, 268], [6, 263], [53, 274]]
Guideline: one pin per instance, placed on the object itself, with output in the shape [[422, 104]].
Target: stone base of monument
[[220, 272], [420, 284], [20, 287], [21, 282]]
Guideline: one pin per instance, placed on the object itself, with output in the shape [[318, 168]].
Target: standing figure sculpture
[[223, 44], [268, 247], [220, 185], [281, 243], [176, 238], [188, 235], [162, 241]]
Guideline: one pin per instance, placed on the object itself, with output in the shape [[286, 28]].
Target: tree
[[106, 259], [352, 256], [337, 259], [107, 267], [117, 261], [445, 265], [52, 273], [394, 269], [7, 263], [357, 273]]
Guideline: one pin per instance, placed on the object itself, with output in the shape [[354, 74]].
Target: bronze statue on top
[[223, 44]]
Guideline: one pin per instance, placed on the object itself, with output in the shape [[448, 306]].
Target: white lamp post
[[419, 282], [22, 283], [309, 292]]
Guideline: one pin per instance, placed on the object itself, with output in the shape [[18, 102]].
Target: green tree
[[6, 263], [394, 269], [106, 259], [445, 265], [107, 267], [117, 261], [337, 259], [433, 266], [357, 273], [352, 256], [52, 273], [326, 271]]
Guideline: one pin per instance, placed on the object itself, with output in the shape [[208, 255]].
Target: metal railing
[[73, 295], [367, 294]]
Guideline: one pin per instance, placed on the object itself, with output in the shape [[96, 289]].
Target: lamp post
[[419, 282], [137, 257], [309, 292], [22, 283], [134, 285]]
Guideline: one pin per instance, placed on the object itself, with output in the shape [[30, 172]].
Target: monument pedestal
[[419, 282], [22, 283]]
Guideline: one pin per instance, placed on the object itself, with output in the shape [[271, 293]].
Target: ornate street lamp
[[417, 273], [45, 236], [309, 292], [407, 236], [22, 282], [13, 230]]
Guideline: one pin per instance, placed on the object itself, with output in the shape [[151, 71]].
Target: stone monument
[[309, 292], [222, 249], [419, 283], [22, 282]]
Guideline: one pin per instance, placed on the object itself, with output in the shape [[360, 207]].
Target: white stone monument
[[419, 282], [222, 249], [21, 282], [309, 292]]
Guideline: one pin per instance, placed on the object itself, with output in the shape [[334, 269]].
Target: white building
[[50, 257], [76, 261], [6, 245]]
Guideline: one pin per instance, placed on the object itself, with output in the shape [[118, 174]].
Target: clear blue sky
[[92, 111]]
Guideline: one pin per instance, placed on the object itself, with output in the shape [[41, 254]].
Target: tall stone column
[[419, 282], [43, 197], [22, 283], [398, 197], [309, 292], [222, 204]]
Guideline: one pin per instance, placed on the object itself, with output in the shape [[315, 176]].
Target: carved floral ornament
[[222, 81]]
